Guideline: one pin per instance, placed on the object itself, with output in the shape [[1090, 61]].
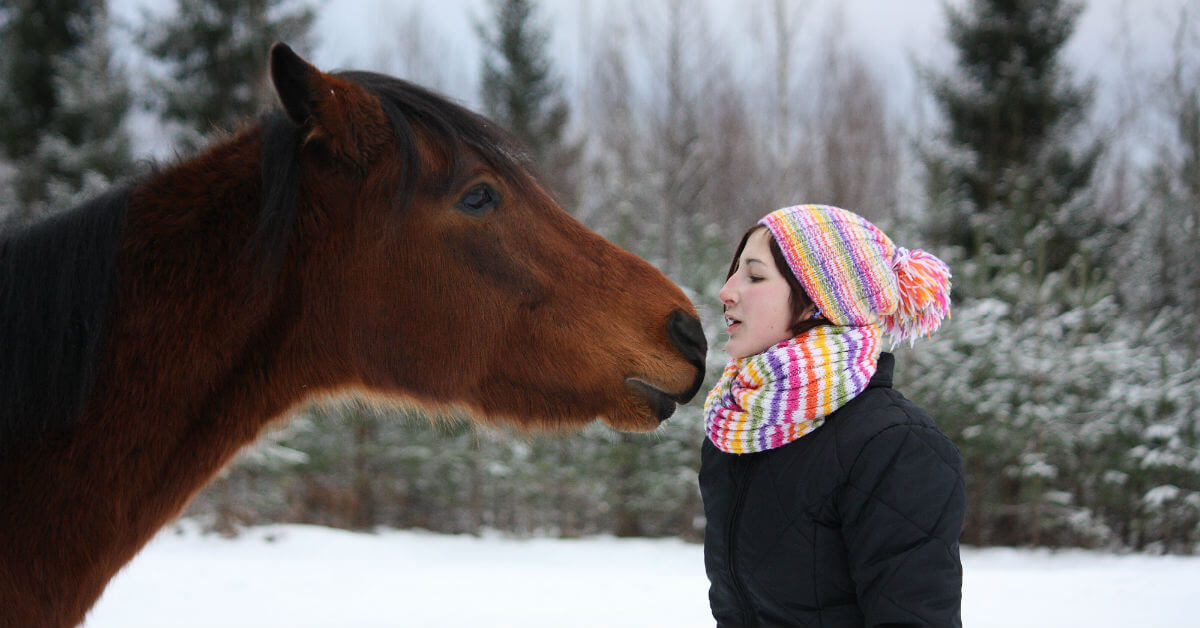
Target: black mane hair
[[279, 165], [56, 282]]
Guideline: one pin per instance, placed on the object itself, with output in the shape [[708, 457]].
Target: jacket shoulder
[[883, 420]]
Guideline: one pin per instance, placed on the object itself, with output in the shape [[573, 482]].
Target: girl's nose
[[726, 294]]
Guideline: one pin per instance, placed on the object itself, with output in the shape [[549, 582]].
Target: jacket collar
[[883, 372]]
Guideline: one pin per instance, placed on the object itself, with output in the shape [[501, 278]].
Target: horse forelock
[[56, 284], [411, 108]]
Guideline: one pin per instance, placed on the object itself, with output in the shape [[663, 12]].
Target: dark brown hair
[[799, 299]]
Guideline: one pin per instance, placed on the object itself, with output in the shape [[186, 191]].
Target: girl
[[831, 500]]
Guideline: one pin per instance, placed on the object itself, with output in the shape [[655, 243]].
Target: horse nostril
[[687, 335]]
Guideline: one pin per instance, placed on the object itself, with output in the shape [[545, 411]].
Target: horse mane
[[56, 281]]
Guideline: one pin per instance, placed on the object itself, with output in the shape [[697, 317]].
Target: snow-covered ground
[[297, 576]]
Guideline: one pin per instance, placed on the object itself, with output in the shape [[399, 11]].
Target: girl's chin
[[735, 352]]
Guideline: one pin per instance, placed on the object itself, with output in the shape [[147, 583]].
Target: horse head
[[437, 270]]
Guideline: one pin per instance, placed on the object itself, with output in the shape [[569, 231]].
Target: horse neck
[[193, 370], [204, 341]]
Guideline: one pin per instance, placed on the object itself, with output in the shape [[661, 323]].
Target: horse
[[366, 237]]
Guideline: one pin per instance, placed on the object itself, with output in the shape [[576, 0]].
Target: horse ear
[[332, 113], [296, 82]]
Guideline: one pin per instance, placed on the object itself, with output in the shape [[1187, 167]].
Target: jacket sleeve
[[902, 508]]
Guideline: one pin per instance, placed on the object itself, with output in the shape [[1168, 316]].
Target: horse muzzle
[[687, 336]]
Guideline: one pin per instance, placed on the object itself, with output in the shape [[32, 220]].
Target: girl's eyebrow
[[753, 260]]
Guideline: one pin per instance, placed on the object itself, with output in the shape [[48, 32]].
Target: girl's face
[[758, 313]]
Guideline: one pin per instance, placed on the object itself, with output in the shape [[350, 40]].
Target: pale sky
[[1113, 38]]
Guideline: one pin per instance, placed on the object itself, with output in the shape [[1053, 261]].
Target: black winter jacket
[[854, 524]]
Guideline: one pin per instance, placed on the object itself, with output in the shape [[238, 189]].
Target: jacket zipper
[[741, 463]]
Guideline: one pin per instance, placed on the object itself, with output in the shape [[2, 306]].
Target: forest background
[[1066, 199]]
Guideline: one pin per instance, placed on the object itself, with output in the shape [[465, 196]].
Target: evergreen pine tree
[[521, 92], [1062, 442], [62, 101], [1012, 110], [1162, 246], [33, 35], [216, 50], [87, 147]]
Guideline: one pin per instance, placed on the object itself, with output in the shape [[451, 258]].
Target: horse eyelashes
[[478, 200]]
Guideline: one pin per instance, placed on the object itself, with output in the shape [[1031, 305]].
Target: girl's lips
[[731, 327]]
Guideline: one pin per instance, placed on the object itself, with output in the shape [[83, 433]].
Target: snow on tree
[[62, 105], [214, 52]]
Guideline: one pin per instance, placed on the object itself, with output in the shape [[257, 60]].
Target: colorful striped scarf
[[772, 398]]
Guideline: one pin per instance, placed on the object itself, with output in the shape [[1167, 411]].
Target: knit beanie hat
[[857, 276]]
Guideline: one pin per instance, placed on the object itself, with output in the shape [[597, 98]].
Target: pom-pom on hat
[[857, 276]]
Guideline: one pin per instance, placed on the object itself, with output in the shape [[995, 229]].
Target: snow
[[301, 576]]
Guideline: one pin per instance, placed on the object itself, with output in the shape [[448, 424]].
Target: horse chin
[[641, 423]]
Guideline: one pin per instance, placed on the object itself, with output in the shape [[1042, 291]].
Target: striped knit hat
[[857, 276]]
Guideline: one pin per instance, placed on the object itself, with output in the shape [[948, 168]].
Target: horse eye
[[478, 200]]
